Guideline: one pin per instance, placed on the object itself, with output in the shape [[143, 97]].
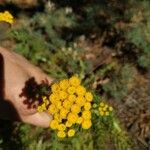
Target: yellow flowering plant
[[105, 109], [7, 17], [70, 104]]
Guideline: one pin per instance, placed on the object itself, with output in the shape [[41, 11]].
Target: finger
[[42, 119], [41, 76]]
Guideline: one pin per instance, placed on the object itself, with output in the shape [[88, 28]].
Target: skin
[[17, 70]]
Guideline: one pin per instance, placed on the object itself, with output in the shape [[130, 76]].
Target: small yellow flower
[[86, 114], [80, 90], [79, 120], [44, 98], [72, 98], [71, 90], [75, 108], [54, 98], [72, 118], [71, 132], [89, 96], [6, 17], [107, 113], [58, 105], [74, 81], [39, 109], [80, 101], [94, 105], [52, 109], [54, 124], [55, 87], [61, 127], [46, 101], [87, 106], [104, 108], [102, 104], [110, 108], [67, 104], [64, 84], [101, 113], [63, 113], [68, 124], [43, 106], [61, 134], [100, 109], [57, 117], [86, 124], [62, 95]]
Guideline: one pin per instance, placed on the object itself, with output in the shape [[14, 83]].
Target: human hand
[[15, 71]]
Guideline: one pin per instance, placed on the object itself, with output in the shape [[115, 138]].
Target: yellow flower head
[[74, 81], [71, 132], [104, 108], [61, 127], [72, 98], [39, 109], [110, 108], [57, 117], [53, 98], [79, 120], [86, 114], [64, 84], [107, 113], [58, 105], [52, 109], [75, 108], [71, 90], [63, 113], [101, 113], [68, 124], [88, 96], [80, 101], [86, 124], [100, 109], [55, 87], [61, 134], [54, 124], [43, 107], [45, 100], [67, 104], [6, 17], [62, 95], [102, 104], [87, 106], [72, 118], [80, 90]]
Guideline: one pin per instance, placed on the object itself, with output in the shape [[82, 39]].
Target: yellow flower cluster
[[104, 109], [70, 104], [6, 17]]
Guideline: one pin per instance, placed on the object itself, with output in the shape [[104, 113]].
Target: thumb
[[41, 119]]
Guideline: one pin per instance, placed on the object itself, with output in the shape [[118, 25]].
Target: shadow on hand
[[33, 92]]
